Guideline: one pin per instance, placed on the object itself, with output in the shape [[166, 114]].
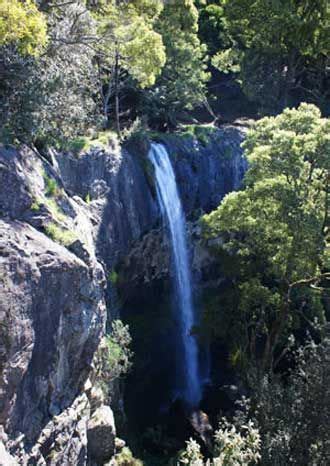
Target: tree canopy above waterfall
[[80, 66]]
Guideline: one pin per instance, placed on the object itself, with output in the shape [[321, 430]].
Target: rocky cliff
[[65, 223]]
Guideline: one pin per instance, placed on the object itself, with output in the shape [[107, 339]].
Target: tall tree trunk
[[117, 109]]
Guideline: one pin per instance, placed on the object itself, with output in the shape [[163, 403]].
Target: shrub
[[114, 356], [51, 186], [202, 133], [57, 234], [78, 144], [126, 458], [113, 277], [293, 415], [234, 446], [102, 139], [192, 454], [35, 206]]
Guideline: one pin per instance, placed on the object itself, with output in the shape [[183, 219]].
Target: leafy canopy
[[181, 85], [23, 25], [126, 30], [276, 47], [275, 230]]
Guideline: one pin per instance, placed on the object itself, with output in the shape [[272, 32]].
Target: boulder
[[101, 434]]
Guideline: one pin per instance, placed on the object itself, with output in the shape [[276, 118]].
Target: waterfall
[[190, 385]]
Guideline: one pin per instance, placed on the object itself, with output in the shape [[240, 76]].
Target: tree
[[181, 85], [22, 25], [52, 96], [275, 233], [212, 26], [293, 414], [94, 49], [277, 49], [130, 48]]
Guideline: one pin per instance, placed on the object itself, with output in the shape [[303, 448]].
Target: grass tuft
[[57, 234]]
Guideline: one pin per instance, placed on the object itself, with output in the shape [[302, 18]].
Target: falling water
[[171, 209]]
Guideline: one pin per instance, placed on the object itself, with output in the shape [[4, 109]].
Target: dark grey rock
[[53, 314], [101, 434]]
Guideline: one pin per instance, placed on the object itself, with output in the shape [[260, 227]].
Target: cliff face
[[52, 308], [205, 172], [63, 227]]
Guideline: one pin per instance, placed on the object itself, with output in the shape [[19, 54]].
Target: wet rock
[[203, 428], [208, 168]]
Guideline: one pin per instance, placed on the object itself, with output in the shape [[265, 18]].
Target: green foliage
[[22, 25], [77, 145], [59, 235], [113, 277], [192, 454], [202, 133], [212, 26], [51, 97], [293, 415], [102, 139], [181, 85], [114, 355], [51, 186], [55, 210], [275, 229], [35, 206], [233, 446], [128, 47], [126, 458], [105, 63], [275, 48]]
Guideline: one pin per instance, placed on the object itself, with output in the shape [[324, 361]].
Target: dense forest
[[81, 74]]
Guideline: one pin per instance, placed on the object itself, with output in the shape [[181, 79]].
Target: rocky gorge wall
[[65, 224]]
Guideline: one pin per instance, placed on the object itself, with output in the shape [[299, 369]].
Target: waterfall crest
[[190, 385]]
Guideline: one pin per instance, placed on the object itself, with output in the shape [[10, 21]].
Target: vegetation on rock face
[[60, 235], [275, 233], [114, 354]]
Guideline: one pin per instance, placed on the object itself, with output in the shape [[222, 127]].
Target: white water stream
[[171, 209]]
